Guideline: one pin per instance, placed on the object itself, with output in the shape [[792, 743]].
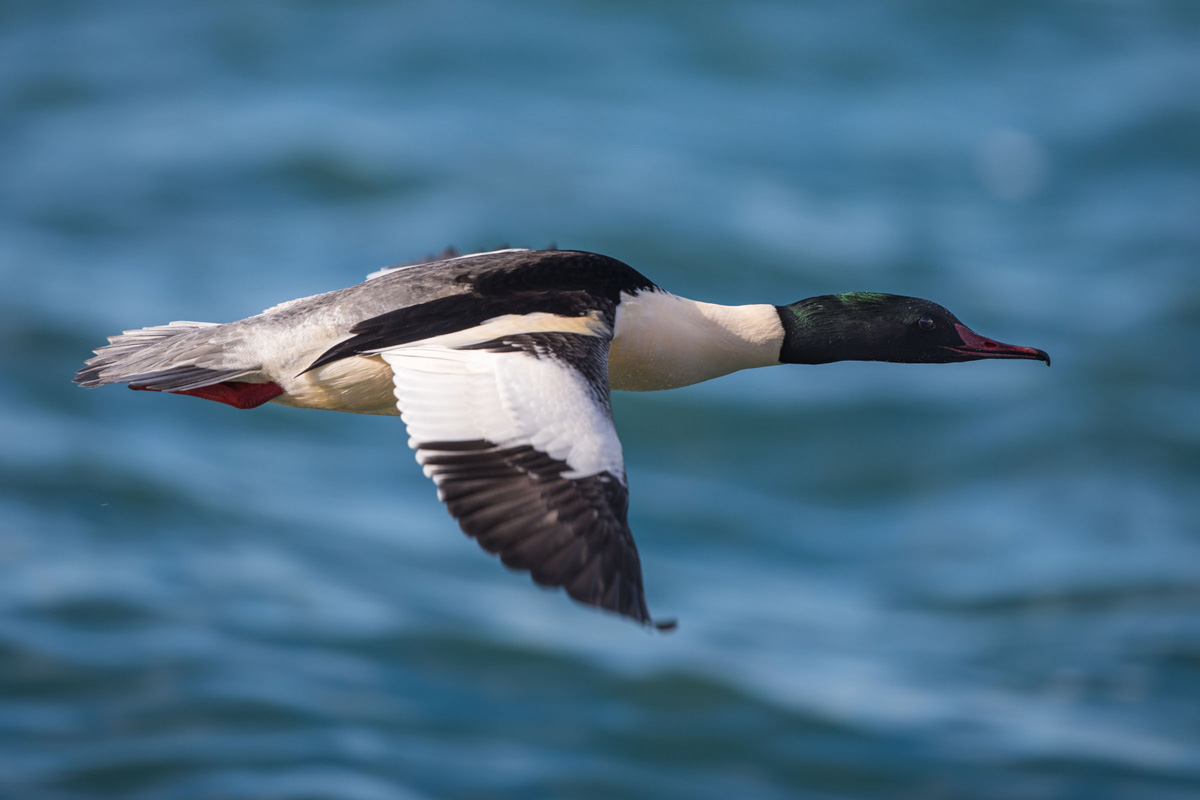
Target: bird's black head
[[866, 326]]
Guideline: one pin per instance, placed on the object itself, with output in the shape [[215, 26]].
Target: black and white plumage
[[500, 364], [516, 430]]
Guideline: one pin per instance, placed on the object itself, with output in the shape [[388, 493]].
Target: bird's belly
[[358, 385]]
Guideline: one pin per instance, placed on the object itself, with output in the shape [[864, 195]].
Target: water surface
[[966, 581]]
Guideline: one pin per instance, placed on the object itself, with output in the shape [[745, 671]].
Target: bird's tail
[[196, 358]]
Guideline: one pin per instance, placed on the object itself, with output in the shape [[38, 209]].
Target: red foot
[[238, 394]]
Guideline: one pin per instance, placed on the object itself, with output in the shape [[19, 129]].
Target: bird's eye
[[926, 323]]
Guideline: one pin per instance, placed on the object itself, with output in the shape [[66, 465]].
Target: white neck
[[662, 341]]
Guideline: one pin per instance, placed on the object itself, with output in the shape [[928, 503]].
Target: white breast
[[662, 341]]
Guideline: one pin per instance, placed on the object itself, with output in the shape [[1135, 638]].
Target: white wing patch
[[507, 398]]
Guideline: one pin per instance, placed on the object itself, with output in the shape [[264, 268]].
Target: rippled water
[[967, 581]]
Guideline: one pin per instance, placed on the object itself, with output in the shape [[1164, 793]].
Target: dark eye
[[926, 323]]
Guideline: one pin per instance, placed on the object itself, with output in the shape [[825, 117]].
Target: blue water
[[963, 581]]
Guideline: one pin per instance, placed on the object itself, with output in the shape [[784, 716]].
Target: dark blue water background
[[966, 581]]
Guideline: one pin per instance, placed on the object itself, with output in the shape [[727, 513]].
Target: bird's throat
[[662, 341]]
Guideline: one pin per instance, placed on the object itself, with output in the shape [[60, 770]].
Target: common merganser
[[501, 363]]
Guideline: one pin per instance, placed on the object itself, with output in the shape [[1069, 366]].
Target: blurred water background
[[965, 581]]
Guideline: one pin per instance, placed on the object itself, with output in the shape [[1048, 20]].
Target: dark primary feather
[[566, 532]]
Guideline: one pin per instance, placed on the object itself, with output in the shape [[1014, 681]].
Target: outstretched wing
[[511, 420]]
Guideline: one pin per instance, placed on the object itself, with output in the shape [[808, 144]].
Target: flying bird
[[500, 364]]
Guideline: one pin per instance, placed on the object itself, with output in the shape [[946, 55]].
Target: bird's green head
[[868, 326]]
